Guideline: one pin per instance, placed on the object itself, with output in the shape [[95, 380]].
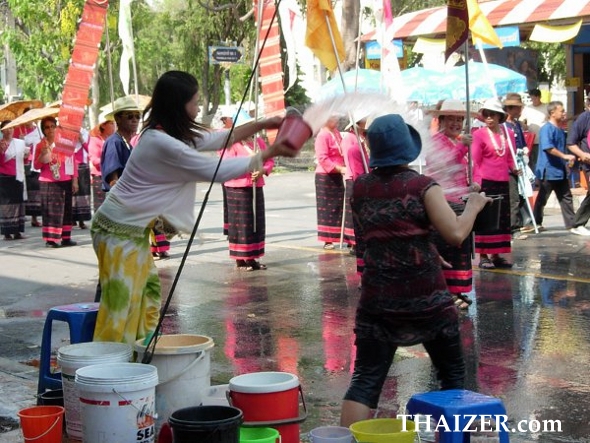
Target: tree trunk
[[350, 29]]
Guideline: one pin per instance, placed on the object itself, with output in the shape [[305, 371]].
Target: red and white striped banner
[[79, 76], [498, 12], [271, 69]]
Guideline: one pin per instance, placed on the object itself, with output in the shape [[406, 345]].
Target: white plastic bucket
[[184, 367], [118, 402], [73, 357]]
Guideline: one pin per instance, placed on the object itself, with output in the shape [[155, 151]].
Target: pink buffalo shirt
[[94, 152], [492, 160], [353, 156], [245, 149], [45, 174], [328, 151], [448, 166]]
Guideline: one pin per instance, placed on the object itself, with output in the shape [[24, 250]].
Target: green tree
[[42, 43], [551, 63], [186, 29]]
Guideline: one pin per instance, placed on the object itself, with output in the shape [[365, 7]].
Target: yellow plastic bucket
[[383, 430]]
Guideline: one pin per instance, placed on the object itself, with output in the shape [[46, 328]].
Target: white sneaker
[[580, 230]]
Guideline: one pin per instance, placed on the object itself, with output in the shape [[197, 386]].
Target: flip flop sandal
[[486, 263], [242, 265], [256, 266], [329, 246], [502, 263], [462, 301]]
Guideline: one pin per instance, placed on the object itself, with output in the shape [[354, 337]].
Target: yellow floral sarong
[[130, 301]]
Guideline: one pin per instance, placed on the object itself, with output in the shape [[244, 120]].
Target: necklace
[[124, 141], [500, 150]]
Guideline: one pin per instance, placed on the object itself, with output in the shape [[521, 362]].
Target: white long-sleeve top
[[160, 179]]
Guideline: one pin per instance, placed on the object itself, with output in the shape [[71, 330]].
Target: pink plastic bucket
[[293, 132]]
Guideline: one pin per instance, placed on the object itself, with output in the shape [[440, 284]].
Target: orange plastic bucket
[[42, 424]]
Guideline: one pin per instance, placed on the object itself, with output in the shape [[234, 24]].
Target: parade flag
[[79, 76], [457, 26], [271, 69], [290, 14], [481, 29], [324, 41], [126, 36]]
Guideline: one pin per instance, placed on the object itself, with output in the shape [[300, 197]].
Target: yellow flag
[[481, 29], [318, 37]]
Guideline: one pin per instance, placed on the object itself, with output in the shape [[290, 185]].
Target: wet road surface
[[526, 337]]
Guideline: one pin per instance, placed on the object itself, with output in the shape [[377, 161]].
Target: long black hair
[[166, 110]]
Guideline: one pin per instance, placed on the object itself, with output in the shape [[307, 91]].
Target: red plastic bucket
[[269, 399], [42, 424], [293, 132]]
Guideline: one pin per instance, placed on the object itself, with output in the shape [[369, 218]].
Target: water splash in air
[[432, 161]]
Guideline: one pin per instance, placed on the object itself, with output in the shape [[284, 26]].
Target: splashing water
[[438, 163]]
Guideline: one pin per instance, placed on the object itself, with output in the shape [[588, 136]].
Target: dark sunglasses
[[131, 116], [487, 113], [45, 128]]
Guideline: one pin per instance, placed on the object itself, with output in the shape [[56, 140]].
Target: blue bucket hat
[[392, 142]]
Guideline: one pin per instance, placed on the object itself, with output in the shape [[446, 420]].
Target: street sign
[[225, 54]]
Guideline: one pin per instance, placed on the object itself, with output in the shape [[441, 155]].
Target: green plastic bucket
[[258, 435]]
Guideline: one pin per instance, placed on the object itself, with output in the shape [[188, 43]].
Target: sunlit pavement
[[526, 337]]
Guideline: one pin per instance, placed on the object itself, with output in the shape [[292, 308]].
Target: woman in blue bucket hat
[[404, 298]]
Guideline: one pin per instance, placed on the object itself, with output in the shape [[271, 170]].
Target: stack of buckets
[[269, 399], [106, 398], [73, 357]]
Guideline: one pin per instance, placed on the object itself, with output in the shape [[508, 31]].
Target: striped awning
[[433, 21]]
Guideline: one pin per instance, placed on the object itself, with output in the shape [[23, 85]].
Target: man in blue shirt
[[552, 167], [117, 148]]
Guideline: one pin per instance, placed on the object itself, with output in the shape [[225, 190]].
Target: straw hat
[[126, 103], [493, 104], [452, 107], [357, 116], [392, 142], [513, 99], [103, 118]]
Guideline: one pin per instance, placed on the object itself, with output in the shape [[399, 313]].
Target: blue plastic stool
[[81, 318], [456, 402]]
